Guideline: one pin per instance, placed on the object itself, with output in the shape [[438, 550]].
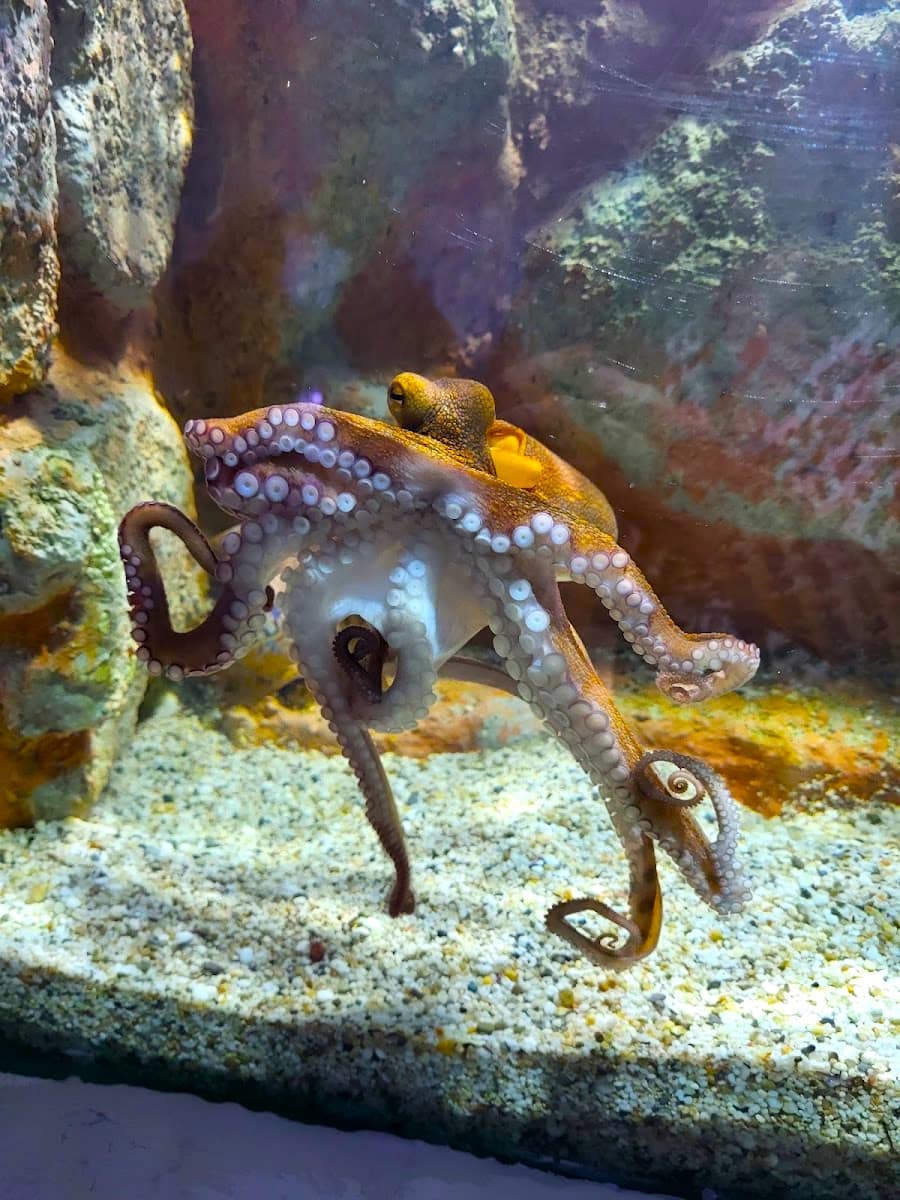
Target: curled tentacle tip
[[669, 777], [691, 689], [607, 943], [681, 787], [605, 948], [680, 781]]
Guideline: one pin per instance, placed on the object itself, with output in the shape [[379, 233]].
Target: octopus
[[388, 549]]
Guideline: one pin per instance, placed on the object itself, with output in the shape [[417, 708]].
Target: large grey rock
[[123, 107], [723, 317], [29, 270], [74, 456], [594, 80]]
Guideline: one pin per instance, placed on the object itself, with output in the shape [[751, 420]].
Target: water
[[514, 388]]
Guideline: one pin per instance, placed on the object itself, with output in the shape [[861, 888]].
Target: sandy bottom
[[219, 923]]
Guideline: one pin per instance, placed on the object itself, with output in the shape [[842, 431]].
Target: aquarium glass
[[449, 547]]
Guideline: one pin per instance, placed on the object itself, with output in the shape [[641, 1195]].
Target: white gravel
[[179, 923]]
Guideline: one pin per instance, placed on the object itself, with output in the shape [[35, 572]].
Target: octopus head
[[416, 403], [456, 412]]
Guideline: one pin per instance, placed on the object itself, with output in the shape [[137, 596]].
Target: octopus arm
[[690, 666], [644, 920], [510, 522], [553, 673], [464, 669], [381, 809], [226, 633], [670, 784], [642, 925], [335, 690]]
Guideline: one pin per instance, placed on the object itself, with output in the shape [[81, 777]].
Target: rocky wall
[[342, 151], [96, 120], [29, 268], [75, 454], [722, 341], [123, 109]]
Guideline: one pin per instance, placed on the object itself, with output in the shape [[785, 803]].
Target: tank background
[[665, 235]]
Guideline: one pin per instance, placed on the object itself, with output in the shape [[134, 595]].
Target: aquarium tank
[[450, 572]]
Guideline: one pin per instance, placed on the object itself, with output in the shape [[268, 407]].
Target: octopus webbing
[[389, 549]]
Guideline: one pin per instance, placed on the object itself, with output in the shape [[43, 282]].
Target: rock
[[594, 81], [782, 748], [122, 102], [347, 149], [117, 137], [465, 718], [29, 270], [712, 334], [74, 456]]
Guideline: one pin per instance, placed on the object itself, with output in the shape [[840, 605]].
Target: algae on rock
[[74, 456]]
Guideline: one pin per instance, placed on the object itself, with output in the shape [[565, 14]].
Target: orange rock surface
[[465, 718], [776, 746], [780, 746]]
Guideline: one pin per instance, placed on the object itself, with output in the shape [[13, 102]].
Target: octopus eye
[[397, 393]]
